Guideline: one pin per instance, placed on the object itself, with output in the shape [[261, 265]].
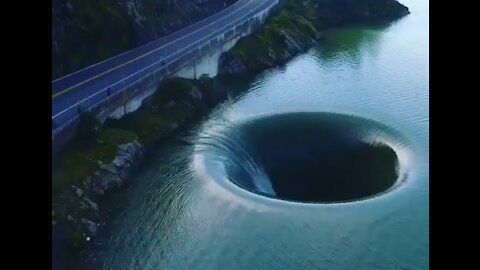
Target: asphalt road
[[92, 85]]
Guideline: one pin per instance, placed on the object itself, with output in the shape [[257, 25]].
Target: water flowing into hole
[[306, 157]]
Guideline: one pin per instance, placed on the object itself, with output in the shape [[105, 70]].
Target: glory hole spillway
[[321, 164], [308, 157]]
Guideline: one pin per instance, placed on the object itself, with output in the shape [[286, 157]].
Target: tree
[[88, 128]]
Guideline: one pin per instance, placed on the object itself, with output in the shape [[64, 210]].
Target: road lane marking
[[143, 55], [151, 42], [98, 92]]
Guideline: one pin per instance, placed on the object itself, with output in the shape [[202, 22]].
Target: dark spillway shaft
[[308, 157]]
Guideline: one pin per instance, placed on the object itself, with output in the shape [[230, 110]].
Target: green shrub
[[88, 128]]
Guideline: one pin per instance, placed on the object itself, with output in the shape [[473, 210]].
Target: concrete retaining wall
[[192, 64]]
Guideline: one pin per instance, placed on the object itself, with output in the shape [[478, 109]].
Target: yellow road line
[[130, 61]]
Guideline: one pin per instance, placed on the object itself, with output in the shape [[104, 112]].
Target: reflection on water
[[351, 43], [180, 217]]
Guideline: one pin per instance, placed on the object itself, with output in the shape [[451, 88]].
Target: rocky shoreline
[[102, 159], [90, 170], [297, 26]]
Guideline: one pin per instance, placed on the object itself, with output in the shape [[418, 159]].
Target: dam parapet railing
[[126, 95]]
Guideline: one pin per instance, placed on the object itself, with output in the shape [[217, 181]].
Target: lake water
[[184, 213]]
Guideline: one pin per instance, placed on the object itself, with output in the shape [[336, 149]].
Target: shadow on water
[[234, 85]]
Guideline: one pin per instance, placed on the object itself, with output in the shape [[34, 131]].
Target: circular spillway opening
[[310, 157]]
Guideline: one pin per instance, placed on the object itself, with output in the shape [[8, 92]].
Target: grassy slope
[[301, 21], [81, 157], [94, 30], [296, 19]]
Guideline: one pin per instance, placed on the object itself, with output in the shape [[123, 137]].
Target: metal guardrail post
[[163, 66]]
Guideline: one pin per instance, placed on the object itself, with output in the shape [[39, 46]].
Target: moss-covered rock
[[291, 30], [297, 26], [101, 159], [88, 31], [175, 102], [81, 158], [88, 128]]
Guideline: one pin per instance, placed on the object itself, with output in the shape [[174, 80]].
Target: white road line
[[68, 89], [161, 47], [111, 85]]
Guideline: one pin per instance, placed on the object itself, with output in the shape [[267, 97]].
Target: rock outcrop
[[77, 207], [90, 172], [87, 31], [296, 27], [85, 177], [115, 174]]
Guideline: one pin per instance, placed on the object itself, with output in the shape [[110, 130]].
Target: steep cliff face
[[87, 31], [297, 26]]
